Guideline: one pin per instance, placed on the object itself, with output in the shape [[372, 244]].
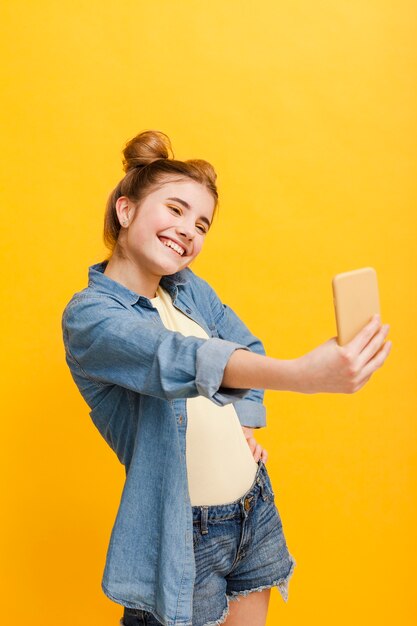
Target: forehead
[[196, 194]]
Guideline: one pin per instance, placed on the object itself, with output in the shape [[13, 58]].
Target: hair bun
[[145, 148]]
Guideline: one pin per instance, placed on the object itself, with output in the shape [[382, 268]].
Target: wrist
[[297, 375], [301, 376]]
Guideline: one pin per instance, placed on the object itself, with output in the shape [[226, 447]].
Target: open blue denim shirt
[[135, 376]]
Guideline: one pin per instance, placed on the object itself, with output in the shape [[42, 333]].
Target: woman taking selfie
[[175, 382]]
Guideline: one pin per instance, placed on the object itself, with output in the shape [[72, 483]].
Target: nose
[[186, 229]]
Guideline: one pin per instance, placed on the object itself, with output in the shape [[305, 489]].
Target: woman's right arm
[[329, 368], [109, 344]]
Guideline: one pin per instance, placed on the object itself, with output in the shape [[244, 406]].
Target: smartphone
[[356, 301]]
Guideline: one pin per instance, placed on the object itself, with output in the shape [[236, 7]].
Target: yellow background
[[307, 111]]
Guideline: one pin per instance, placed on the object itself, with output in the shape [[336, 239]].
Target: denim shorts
[[239, 548]]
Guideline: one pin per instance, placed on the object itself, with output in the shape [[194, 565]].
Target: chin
[[165, 266], [177, 269], [167, 270]]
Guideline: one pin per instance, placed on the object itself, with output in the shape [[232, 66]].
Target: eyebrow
[[187, 206]]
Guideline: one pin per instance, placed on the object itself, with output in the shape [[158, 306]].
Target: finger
[[247, 431], [264, 455], [363, 383], [376, 362], [258, 452], [362, 338], [373, 346]]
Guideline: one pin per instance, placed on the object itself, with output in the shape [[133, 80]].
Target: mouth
[[173, 245]]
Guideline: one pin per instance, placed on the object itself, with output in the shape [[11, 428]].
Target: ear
[[124, 210]]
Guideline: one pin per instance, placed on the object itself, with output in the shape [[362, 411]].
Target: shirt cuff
[[250, 413], [211, 360]]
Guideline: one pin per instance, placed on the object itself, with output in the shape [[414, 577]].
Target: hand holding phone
[[331, 368], [356, 301], [345, 363]]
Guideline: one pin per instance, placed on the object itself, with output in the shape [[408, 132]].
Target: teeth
[[174, 246]]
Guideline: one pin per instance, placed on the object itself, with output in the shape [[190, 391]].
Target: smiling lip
[[162, 239]]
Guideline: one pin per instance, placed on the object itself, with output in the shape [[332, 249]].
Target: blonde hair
[[148, 166]]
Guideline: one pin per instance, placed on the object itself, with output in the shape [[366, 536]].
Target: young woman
[[174, 381]]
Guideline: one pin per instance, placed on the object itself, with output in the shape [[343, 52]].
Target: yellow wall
[[307, 111]]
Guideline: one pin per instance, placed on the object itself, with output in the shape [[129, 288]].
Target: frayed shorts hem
[[281, 584]]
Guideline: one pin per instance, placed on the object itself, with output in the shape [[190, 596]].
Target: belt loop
[[203, 521], [261, 482]]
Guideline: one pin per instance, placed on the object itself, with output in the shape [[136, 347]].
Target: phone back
[[356, 300]]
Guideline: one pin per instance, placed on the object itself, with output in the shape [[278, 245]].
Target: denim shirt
[[135, 375]]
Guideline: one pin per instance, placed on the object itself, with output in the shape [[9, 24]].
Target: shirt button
[[246, 504], [180, 419], [188, 311]]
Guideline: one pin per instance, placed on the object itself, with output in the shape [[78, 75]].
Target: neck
[[125, 272]]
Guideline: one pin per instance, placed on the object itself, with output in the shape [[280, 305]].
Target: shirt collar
[[101, 283]]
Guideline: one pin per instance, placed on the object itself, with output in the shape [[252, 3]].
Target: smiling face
[[168, 227]]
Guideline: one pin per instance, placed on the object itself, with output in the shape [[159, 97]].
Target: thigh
[[251, 610]]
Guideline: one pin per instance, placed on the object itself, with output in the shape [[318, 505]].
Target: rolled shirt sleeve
[[251, 412], [111, 344], [212, 358]]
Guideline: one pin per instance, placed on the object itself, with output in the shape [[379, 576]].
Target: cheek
[[136, 237], [198, 247], [146, 232]]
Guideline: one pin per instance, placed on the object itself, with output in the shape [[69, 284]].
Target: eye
[[201, 228], [175, 209]]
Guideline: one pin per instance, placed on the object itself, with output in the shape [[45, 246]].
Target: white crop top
[[220, 464]]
